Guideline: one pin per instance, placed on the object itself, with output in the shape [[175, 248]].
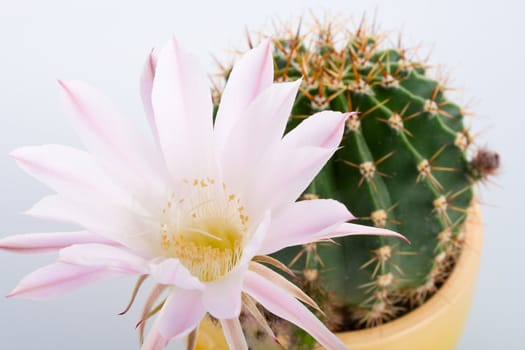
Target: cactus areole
[[402, 165]]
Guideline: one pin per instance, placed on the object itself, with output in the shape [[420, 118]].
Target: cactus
[[403, 165]]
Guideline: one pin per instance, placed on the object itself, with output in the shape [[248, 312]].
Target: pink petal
[[181, 313], [104, 256], [92, 199], [283, 283], [118, 225], [347, 229], [155, 340], [56, 279], [302, 154], [222, 298], [146, 87], [147, 308], [233, 333], [304, 222], [281, 179], [250, 75], [121, 149], [70, 172], [48, 242], [55, 207], [172, 272], [287, 307], [324, 129], [181, 98], [262, 125]]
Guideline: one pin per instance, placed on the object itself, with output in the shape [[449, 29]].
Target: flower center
[[204, 227]]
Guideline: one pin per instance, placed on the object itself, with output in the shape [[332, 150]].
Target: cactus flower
[[195, 205]]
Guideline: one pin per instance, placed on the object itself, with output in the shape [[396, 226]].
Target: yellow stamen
[[206, 230]]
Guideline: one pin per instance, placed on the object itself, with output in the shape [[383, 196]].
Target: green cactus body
[[402, 165]]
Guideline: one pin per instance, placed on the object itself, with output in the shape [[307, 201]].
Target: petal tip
[[64, 89], [13, 293], [152, 59], [298, 82], [347, 115], [267, 42], [62, 84], [175, 43], [265, 48], [14, 154], [399, 235], [24, 154], [68, 86], [4, 246], [351, 217]]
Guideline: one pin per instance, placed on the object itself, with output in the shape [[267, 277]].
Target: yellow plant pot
[[436, 325], [210, 336]]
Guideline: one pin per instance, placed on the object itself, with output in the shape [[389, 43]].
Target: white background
[[106, 42]]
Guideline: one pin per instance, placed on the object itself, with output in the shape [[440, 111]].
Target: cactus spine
[[403, 165]]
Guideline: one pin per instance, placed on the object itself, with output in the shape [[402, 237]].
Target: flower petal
[[283, 283], [281, 180], [181, 98], [104, 256], [302, 154], [97, 121], [118, 225], [250, 75], [146, 86], [324, 129], [303, 222], [149, 307], [172, 272], [56, 279], [48, 242], [287, 307], [181, 313], [155, 340], [70, 172], [262, 126], [233, 333], [222, 298], [121, 149], [347, 229]]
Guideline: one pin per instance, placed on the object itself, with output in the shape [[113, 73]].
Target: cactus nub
[[402, 165]]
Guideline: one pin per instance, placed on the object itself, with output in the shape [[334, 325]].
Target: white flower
[[195, 206]]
